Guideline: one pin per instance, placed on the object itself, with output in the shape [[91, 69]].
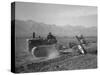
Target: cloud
[[56, 13]]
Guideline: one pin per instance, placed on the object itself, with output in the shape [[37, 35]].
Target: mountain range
[[26, 28]]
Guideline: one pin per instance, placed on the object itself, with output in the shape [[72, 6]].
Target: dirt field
[[70, 61]]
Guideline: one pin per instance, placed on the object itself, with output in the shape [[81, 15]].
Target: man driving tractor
[[51, 39]]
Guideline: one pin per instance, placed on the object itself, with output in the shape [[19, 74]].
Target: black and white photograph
[[53, 37]]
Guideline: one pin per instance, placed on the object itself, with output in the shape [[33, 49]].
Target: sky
[[57, 14]]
